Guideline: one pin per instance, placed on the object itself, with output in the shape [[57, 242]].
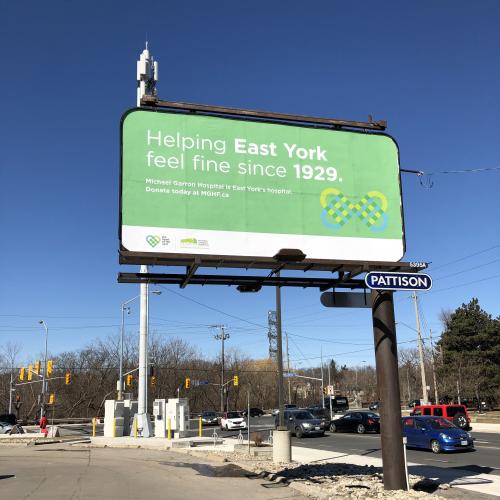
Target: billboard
[[209, 185]]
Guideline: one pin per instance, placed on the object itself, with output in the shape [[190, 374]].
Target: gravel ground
[[337, 480]]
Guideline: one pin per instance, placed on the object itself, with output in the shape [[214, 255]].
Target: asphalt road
[[485, 458]]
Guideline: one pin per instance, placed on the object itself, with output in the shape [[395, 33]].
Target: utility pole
[[288, 369], [279, 353], [221, 336], [44, 377], [322, 381], [10, 392], [433, 369], [420, 351]]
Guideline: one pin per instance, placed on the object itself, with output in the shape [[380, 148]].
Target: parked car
[[231, 420], [357, 421], [374, 406], [254, 412], [209, 418], [8, 418], [5, 427], [302, 423], [454, 413], [339, 403], [436, 433]]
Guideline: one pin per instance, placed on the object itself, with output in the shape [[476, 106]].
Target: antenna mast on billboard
[[147, 75]]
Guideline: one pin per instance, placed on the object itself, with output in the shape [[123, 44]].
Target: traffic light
[[52, 399], [236, 380], [50, 367], [37, 367], [67, 378], [129, 379], [21, 374], [188, 382], [30, 372], [153, 380]]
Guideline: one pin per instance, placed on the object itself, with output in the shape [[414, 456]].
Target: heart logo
[[153, 240]]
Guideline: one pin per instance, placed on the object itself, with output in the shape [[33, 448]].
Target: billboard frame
[[154, 105]]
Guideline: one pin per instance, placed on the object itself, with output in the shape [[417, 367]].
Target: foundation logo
[[193, 243], [153, 239], [338, 210]]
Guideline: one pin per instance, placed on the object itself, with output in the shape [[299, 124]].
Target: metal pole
[[279, 355], [420, 351], [322, 383], [222, 336], [248, 419], [436, 397], [42, 403], [120, 385], [288, 369], [386, 357], [10, 393], [143, 347]]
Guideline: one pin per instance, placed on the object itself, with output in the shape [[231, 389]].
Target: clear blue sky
[[429, 68]]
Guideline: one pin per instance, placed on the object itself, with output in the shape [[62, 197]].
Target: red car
[[454, 413]]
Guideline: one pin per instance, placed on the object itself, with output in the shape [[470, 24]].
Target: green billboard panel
[[210, 185]]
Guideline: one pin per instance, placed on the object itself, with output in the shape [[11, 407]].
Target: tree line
[[466, 361]]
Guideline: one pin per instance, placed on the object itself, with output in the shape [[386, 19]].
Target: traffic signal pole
[[386, 358]]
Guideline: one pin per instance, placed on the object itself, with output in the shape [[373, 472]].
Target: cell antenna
[[147, 75]]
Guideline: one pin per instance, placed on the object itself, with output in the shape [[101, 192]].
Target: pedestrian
[[43, 425]]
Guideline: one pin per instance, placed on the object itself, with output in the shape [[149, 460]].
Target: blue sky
[[429, 68]]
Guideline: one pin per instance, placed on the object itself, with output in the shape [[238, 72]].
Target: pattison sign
[[197, 184]]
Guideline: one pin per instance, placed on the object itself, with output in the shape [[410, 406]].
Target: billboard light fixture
[[249, 288], [290, 255]]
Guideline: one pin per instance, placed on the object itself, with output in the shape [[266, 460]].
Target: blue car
[[435, 433]]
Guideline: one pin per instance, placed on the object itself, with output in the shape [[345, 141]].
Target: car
[[254, 412], [454, 413], [435, 433], [232, 420], [209, 418], [357, 421], [322, 413], [374, 406], [8, 418], [302, 423], [5, 427]]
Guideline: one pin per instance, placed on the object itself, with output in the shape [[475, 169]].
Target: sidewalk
[[460, 478], [480, 427]]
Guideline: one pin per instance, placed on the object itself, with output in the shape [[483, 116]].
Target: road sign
[[379, 280], [288, 374], [330, 390], [345, 299]]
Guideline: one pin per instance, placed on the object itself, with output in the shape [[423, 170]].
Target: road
[[485, 458]]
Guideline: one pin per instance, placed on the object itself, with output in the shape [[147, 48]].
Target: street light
[[42, 406], [125, 308]]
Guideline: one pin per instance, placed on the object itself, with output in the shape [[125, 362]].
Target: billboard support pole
[[386, 358]]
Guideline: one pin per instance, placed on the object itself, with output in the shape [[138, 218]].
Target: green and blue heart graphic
[[153, 239]]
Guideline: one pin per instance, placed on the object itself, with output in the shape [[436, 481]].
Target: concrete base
[[282, 446], [144, 428]]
